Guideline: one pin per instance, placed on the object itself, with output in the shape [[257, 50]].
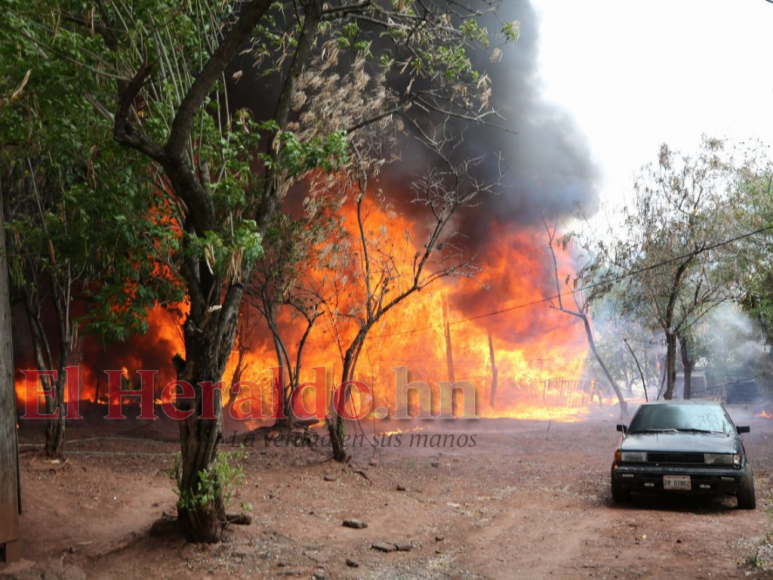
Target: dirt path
[[525, 502]]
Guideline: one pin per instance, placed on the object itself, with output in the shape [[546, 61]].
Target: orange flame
[[539, 352], [396, 431]]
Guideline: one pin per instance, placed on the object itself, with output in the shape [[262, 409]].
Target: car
[[682, 447]]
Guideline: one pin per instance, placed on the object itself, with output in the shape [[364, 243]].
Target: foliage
[[754, 210], [214, 483], [77, 201], [673, 266]]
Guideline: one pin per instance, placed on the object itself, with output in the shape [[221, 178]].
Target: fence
[[564, 393]]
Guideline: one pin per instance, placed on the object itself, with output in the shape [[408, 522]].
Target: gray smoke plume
[[548, 159]]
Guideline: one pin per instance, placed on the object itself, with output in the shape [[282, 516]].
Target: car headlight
[[631, 456], [718, 459], [737, 460]]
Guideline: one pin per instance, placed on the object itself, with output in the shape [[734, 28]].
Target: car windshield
[[681, 418]]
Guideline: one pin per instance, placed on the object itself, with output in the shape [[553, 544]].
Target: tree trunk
[[210, 328], [615, 387], [449, 355], [494, 372], [209, 337], [337, 430], [336, 424], [670, 366], [282, 387], [641, 372], [449, 349], [55, 428], [687, 365], [581, 313]]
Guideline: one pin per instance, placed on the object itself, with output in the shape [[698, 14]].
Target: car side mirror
[[744, 429], [623, 429]]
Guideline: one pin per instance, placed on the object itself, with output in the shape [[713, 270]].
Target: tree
[[754, 212], [295, 277], [580, 311], [629, 350], [164, 66], [388, 270], [42, 278], [672, 266], [73, 253]]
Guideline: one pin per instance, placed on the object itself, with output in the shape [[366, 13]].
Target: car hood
[[683, 442]]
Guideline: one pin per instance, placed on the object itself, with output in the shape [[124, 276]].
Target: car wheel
[[746, 499], [619, 494]]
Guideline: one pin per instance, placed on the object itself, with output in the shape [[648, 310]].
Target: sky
[[638, 74]]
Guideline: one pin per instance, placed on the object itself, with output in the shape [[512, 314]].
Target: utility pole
[[10, 504]]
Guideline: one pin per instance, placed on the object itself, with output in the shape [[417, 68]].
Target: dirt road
[[525, 502]]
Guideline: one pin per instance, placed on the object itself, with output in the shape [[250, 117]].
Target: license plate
[[677, 482]]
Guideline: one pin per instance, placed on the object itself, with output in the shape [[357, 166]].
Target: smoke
[[731, 360], [548, 166], [733, 348], [547, 157], [548, 160]]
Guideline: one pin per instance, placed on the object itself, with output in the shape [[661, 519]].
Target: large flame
[[539, 351]]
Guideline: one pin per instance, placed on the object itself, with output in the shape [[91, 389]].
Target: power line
[[589, 286]]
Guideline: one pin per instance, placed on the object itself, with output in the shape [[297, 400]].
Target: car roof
[[679, 402]]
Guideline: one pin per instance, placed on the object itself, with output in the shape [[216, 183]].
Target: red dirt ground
[[530, 500]]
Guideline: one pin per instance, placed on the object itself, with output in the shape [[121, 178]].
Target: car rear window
[[682, 418]]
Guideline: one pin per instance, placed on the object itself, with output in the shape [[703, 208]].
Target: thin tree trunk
[[670, 366], [494, 371], [449, 349], [55, 428], [581, 313], [687, 365], [615, 387], [236, 378], [285, 389], [449, 354], [337, 424], [641, 372]]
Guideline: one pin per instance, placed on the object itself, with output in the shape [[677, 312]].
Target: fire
[[535, 412], [765, 414], [539, 352], [32, 392], [397, 431], [20, 387]]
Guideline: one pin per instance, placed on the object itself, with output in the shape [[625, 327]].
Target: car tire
[[619, 493], [746, 498]]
